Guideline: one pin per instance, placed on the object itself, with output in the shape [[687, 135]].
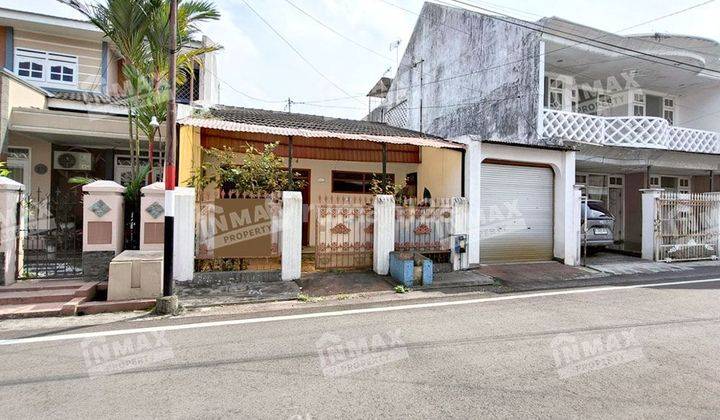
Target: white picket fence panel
[[687, 226]]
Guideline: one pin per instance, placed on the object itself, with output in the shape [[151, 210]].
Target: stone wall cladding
[[223, 278], [96, 264]]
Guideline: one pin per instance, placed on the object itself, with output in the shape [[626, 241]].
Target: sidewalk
[[342, 288]]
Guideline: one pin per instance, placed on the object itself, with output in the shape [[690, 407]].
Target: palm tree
[[140, 31]]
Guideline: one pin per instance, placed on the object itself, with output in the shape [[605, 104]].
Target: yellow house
[[336, 157]]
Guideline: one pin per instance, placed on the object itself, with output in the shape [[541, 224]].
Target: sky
[[258, 69]]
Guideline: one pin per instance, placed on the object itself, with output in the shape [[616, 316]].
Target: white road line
[[199, 325]]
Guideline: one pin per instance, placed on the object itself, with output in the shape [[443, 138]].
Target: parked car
[[600, 224]]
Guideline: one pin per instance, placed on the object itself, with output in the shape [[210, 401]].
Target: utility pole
[[289, 105], [168, 303], [420, 63]]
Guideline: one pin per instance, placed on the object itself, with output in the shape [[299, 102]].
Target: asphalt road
[[616, 353]]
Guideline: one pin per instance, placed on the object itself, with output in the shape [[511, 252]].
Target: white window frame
[[669, 109], [656, 182], [47, 59], [638, 101], [22, 163], [558, 90], [119, 169]]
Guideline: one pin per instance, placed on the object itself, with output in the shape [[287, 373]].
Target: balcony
[[644, 132]]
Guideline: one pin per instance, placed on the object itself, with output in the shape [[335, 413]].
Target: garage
[[516, 212]]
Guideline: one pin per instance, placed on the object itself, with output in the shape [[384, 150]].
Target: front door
[[304, 175]]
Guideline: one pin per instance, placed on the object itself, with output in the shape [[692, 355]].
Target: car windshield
[[597, 210]]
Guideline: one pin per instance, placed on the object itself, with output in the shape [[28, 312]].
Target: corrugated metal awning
[[300, 132]]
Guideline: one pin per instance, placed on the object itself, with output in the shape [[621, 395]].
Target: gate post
[[460, 219], [152, 220], [184, 248], [574, 242], [383, 233], [649, 215], [103, 227], [473, 170], [291, 235], [10, 236]]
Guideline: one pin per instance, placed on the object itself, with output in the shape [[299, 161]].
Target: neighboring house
[[553, 105], [61, 108]]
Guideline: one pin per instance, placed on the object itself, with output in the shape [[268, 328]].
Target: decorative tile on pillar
[[155, 210], [100, 208]]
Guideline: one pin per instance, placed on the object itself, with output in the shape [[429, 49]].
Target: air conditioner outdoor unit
[[73, 161]]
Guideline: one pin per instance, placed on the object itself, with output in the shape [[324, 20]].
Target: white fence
[[648, 132], [687, 226]]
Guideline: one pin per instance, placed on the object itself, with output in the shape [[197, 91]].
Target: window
[[684, 187], [48, 67], [556, 94], [123, 170], [669, 110], [18, 163], [639, 105], [354, 182], [654, 181], [574, 100]]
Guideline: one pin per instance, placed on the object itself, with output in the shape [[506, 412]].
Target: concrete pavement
[[617, 352]]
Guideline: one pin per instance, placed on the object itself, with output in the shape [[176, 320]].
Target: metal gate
[[51, 232], [344, 232], [424, 226], [686, 226]]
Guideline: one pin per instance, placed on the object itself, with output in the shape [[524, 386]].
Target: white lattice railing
[[648, 132]]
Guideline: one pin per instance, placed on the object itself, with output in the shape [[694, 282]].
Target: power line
[[352, 41], [589, 41], [292, 47], [695, 6], [417, 14], [524, 58]]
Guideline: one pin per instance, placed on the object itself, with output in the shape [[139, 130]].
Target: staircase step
[[27, 286], [36, 296], [32, 310]]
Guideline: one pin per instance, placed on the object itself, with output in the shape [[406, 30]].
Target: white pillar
[[564, 225], [152, 217], [649, 207], [472, 193], [460, 220], [291, 235], [103, 227], [10, 193], [572, 243], [383, 233], [184, 230]]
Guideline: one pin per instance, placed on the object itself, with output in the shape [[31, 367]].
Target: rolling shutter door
[[516, 213]]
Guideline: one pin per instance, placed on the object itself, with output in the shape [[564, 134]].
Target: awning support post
[[290, 158], [384, 165]]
